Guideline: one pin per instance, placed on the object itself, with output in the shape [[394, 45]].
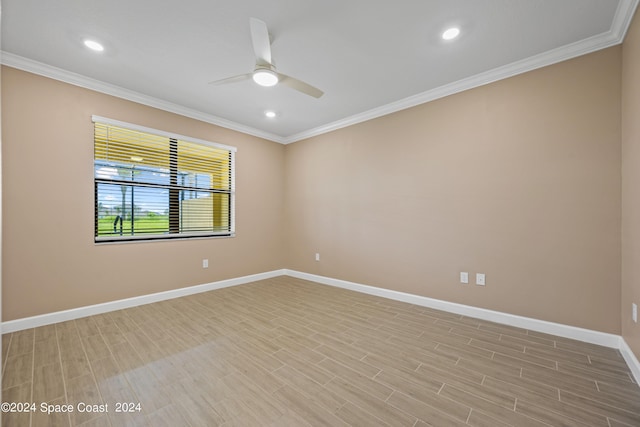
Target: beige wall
[[50, 261], [631, 183], [519, 180]]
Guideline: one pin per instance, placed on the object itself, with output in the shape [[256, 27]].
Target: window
[[153, 185]]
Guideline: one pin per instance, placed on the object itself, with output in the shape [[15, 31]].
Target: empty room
[[337, 213]]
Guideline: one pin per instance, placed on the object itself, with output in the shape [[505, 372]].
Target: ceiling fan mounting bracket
[[262, 66]]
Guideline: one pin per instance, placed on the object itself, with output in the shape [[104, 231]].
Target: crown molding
[[620, 24], [39, 68], [622, 19]]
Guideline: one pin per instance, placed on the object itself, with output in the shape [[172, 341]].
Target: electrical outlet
[[317, 256], [464, 277], [634, 312], [480, 279], [205, 263]]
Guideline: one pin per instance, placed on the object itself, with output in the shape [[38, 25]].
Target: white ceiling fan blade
[[234, 79], [300, 86], [261, 42]]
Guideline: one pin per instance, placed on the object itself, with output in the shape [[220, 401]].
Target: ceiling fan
[[265, 73]]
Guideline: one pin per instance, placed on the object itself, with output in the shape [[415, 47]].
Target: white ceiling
[[370, 57]]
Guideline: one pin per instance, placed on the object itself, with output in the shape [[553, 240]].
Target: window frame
[[171, 137]]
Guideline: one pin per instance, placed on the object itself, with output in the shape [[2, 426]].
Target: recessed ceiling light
[[265, 77], [451, 33], [270, 114], [94, 45]]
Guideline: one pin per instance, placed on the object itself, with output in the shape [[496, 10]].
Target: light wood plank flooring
[[286, 352]]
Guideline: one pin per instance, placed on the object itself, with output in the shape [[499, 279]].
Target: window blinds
[[151, 184]]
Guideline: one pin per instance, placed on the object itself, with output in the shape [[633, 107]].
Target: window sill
[[125, 240]]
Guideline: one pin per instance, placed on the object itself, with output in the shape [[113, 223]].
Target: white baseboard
[[76, 313], [631, 359], [580, 334], [558, 329]]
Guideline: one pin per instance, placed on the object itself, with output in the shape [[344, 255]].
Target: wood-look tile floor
[[286, 352]]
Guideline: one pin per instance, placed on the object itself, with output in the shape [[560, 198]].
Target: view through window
[[153, 185]]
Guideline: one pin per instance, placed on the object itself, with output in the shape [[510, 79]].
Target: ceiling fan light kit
[[265, 77], [265, 73]]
